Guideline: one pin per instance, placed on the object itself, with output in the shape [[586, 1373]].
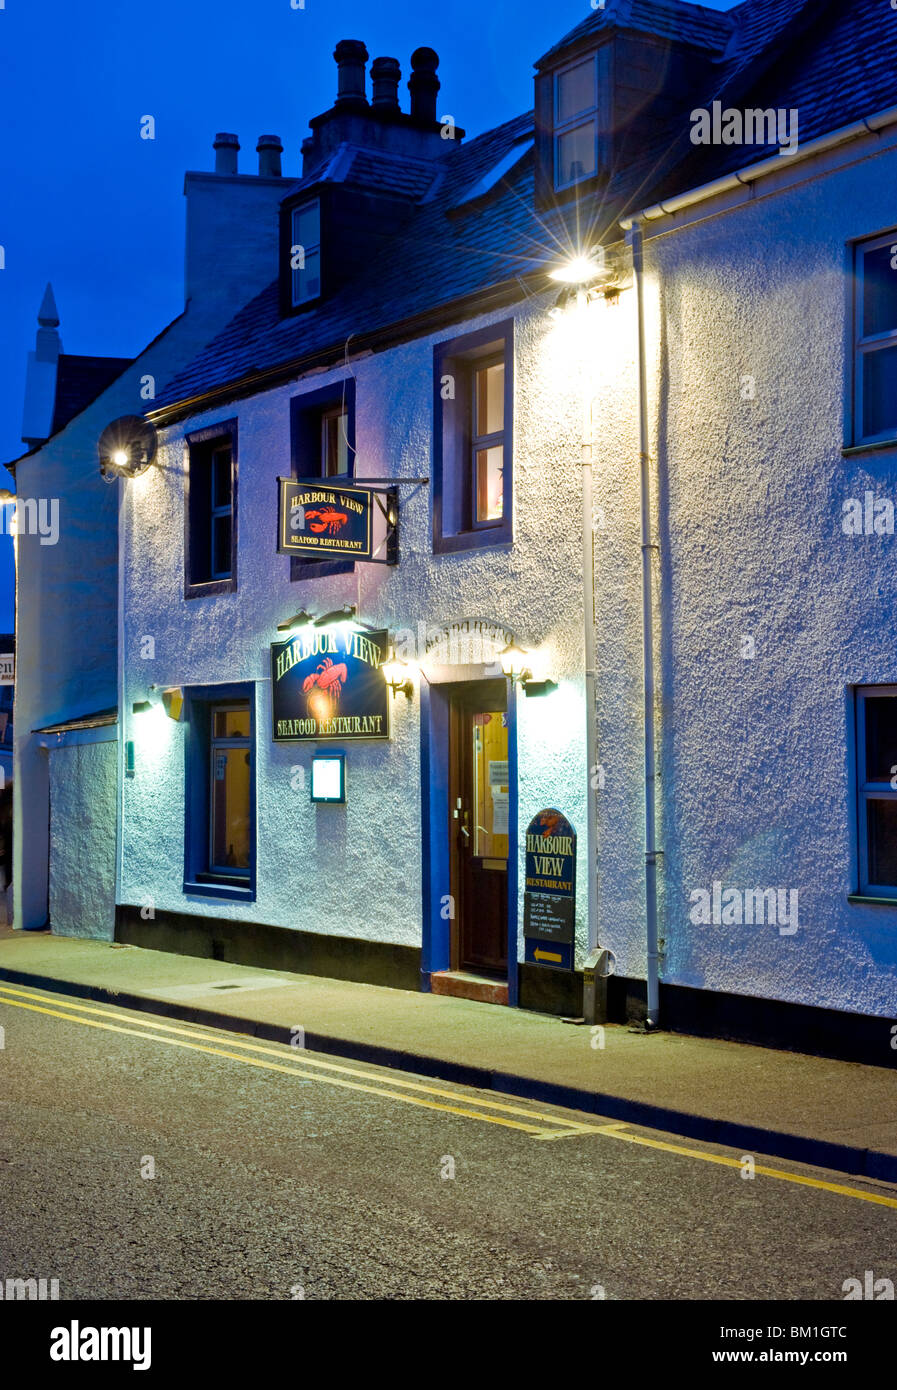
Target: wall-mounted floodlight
[[173, 702], [328, 778], [539, 687], [126, 447], [581, 269], [300, 619], [141, 706], [338, 615]]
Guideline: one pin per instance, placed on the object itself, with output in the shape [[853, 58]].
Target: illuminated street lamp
[[397, 677], [515, 662]]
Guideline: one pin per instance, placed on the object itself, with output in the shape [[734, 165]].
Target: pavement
[[812, 1110]]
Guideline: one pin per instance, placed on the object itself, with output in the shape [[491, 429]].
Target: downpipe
[[651, 851]]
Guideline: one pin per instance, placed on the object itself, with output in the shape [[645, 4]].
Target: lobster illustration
[[325, 519], [550, 820], [329, 677]]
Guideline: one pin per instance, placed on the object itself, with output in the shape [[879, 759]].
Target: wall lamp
[[126, 447], [396, 675], [172, 699], [300, 618], [515, 664], [339, 615]]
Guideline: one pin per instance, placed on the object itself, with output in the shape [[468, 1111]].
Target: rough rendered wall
[[82, 840], [356, 870], [755, 751]]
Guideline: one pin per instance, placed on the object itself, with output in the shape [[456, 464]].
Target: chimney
[[385, 75], [227, 147], [423, 84], [269, 150], [40, 379], [351, 56]]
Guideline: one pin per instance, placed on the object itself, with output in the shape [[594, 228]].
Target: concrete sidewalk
[[839, 1115]]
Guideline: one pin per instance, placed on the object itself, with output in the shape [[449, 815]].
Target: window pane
[[221, 546], [334, 444], [491, 788], [880, 392], [576, 154], [221, 478], [879, 291], [576, 90], [882, 826], [881, 736], [230, 808], [232, 723], [490, 486], [307, 282], [491, 399], [307, 226]]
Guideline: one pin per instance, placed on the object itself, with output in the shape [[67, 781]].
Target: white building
[[411, 338]]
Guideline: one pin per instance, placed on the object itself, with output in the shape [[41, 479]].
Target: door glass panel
[[232, 723], [230, 808], [491, 786]]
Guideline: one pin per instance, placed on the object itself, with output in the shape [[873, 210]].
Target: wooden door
[[478, 826]]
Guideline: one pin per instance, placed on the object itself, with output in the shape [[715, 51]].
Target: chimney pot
[[351, 56], [226, 150], [269, 150], [423, 84], [385, 75]]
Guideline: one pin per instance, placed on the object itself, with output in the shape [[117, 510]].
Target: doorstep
[[460, 984]]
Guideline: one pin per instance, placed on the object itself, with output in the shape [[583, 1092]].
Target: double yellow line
[[536, 1124]]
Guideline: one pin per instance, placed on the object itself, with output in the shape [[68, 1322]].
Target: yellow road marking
[[568, 1129], [306, 1061]]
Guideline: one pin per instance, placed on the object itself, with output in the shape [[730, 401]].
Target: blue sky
[[99, 211]]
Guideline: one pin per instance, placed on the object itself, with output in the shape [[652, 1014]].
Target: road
[[279, 1174]]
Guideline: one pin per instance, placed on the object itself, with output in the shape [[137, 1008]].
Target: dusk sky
[[98, 211]]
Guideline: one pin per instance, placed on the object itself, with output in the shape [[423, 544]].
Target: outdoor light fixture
[[126, 447], [539, 687], [328, 778], [141, 706], [395, 673], [339, 615], [515, 663], [580, 270], [173, 702], [300, 618]]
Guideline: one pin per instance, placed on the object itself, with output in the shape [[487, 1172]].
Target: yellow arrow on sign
[[547, 955]]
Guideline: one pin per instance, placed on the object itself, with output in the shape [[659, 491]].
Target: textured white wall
[[356, 870], [754, 786], [82, 840]]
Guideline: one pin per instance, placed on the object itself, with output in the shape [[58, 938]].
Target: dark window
[[473, 440], [876, 714], [220, 793], [875, 345], [305, 252], [210, 506], [322, 442]]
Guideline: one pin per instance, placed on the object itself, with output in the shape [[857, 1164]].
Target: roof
[[79, 380], [100, 720], [835, 63], [668, 19]]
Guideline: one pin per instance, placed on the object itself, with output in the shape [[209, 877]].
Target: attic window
[[576, 125], [305, 258], [497, 172]]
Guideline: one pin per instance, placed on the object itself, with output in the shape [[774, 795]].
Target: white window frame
[[864, 346], [296, 298]]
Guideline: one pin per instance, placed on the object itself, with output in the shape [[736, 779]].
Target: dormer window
[[305, 253], [576, 124]]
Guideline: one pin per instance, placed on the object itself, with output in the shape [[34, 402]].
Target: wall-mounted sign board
[[549, 898], [327, 684], [325, 519]]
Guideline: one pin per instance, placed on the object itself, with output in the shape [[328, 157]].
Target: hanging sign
[[327, 684], [549, 898], [325, 519]]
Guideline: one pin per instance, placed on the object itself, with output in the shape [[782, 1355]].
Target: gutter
[[751, 173]]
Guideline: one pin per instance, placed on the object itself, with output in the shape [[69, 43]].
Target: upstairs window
[[576, 124], [876, 763], [875, 341], [305, 252], [322, 445], [473, 440], [210, 506]]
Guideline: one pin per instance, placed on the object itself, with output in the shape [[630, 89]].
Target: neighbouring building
[[358, 734]]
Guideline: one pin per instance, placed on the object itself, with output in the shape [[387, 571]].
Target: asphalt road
[[281, 1174]]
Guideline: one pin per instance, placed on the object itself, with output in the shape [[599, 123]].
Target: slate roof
[[79, 380], [834, 61]]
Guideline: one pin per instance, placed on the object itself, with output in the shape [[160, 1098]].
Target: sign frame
[[351, 491], [381, 638]]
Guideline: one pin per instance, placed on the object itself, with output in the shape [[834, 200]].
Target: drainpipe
[[651, 851], [588, 587]]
